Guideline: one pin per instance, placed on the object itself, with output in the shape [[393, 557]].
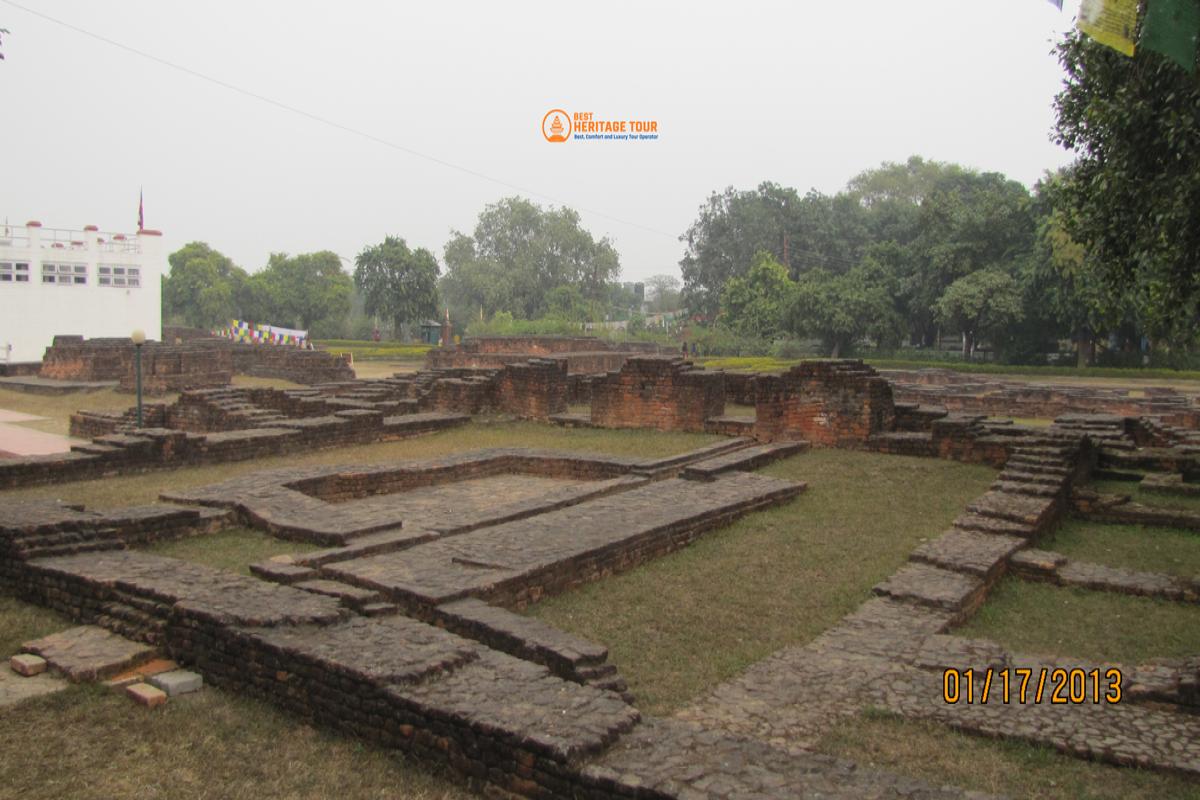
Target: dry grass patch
[[90, 742], [22, 622], [1005, 767], [233, 549], [58, 408], [1039, 619], [679, 625], [128, 490]]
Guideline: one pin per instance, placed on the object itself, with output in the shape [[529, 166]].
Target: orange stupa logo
[[559, 127]]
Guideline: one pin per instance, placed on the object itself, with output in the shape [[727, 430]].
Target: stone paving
[[88, 653]]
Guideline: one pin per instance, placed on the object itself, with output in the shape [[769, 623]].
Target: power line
[[326, 121]]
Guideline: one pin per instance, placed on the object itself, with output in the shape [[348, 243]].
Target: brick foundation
[[828, 403], [660, 392]]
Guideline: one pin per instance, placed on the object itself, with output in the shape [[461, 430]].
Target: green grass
[[91, 742], [129, 490], [1010, 768], [1139, 547], [679, 625], [1134, 490], [1036, 619], [233, 549], [21, 622], [770, 364], [373, 350]]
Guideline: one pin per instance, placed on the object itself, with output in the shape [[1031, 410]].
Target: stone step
[[1032, 489], [73, 548]]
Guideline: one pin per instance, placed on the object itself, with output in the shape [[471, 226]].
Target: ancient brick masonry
[[660, 392], [165, 368], [195, 363], [830, 403]]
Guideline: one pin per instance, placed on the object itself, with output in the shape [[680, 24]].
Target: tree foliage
[[300, 291], [519, 253], [980, 304], [753, 304], [1130, 198], [842, 309], [396, 282], [204, 288]]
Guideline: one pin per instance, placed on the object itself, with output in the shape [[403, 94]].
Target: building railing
[[68, 239]]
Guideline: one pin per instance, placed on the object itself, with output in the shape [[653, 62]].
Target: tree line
[[1104, 250]]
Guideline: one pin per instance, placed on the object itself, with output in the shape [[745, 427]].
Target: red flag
[[139, 209]]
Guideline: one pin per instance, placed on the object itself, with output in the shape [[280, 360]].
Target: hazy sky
[[805, 94]]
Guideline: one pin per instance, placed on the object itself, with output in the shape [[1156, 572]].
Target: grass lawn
[[679, 625], [233, 549], [138, 489], [89, 741], [1140, 547], [1089, 376], [1037, 619], [1134, 490], [1004, 767]]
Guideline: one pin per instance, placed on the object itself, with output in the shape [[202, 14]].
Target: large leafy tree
[[1131, 197], [967, 222], [980, 304], [204, 288], [841, 309], [519, 253], [753, 304], [396, 282], [300, 291], [813, 231]]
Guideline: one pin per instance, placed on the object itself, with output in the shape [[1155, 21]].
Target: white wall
[[32, 312]]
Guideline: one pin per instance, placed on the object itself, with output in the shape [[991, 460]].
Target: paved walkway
[[22, 441]]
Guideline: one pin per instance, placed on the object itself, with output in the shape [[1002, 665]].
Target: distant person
[[375, 335], [695, 350], [685, 350]]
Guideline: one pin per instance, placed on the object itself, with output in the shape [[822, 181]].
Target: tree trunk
[[837, 349], [1086, 349], [966, 347]]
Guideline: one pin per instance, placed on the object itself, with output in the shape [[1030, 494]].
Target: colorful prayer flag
[[1170, 28], [1110, 22]]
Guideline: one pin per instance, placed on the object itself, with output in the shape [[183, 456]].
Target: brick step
[[1033, 489], [51, 551], [596, 672], [1017, 476], [1022, 464]]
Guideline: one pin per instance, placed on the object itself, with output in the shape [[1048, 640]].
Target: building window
[[65, 274], [119, 277], [14, 272]]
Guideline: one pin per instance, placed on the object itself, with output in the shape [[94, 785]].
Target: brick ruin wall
[[583, 354], [972, 394], [660, 392], [165, 368], [828, 403], [195, 364]]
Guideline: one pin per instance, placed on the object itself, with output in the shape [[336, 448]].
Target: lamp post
[[139, 339]]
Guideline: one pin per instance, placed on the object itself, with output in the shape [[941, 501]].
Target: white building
[[88, 282]]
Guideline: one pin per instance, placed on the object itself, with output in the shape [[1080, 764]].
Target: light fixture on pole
[[139, 339]]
